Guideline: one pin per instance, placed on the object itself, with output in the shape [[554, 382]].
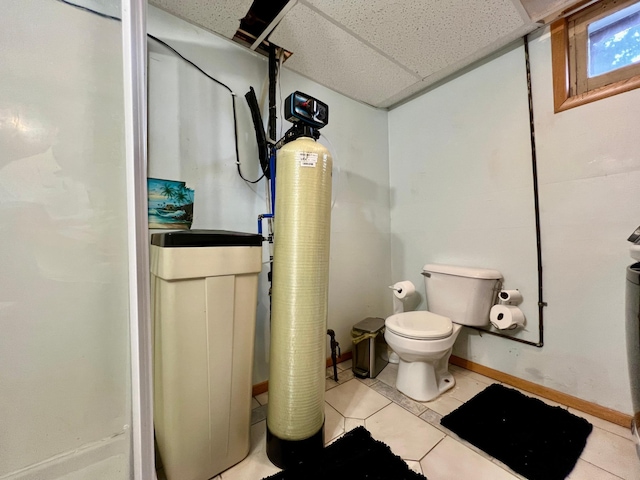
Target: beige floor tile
[[346, 365], [263, 398], [585, 471], [408, 436], [612, 453], [457, 371], [478, 377], [353, 399], [345, 376], [333, 423], [450, 460], [399, 398], [367, 381], [488, 381], [351, 423], [444, 404], [258, 414], [257, 464], [329, 383], [329, 372], [466, 388], [254, 403], [433, 418], [333, 440], [388, 374], [413, 465], [624, 432]]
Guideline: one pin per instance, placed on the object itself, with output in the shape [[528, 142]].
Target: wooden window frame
[[563, 64]]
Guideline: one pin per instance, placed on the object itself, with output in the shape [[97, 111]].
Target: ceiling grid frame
[[380, 52]]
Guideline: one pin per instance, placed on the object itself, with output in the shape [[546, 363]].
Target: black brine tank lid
[[206, 238]]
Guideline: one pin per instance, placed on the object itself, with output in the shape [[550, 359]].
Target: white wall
[[460, 178], [64, 348], [191, 139]]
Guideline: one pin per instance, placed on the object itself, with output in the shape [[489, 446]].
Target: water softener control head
[[302, 108]]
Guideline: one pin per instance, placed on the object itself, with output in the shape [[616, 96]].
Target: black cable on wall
[[165, 44]]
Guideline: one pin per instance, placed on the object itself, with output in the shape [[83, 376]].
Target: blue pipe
[[260, 217], [272, 169]]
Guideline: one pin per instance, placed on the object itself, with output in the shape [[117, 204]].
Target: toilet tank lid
[[470, 272]]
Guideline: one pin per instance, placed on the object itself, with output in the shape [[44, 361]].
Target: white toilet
[[423, 340]]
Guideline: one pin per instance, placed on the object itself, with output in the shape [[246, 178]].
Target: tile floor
[[413, 431]]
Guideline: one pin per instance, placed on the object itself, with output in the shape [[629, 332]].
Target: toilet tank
[[463, 294]]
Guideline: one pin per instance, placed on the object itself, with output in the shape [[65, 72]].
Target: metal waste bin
[[369, 348], [204, 296], [632, 307]]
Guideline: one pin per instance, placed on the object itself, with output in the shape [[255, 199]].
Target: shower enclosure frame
[[134, 58]]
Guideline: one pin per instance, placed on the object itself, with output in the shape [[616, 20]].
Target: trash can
[[369, 348], [632, 328], [204, 296]]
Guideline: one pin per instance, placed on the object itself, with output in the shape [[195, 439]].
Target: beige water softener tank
[[204, 295]]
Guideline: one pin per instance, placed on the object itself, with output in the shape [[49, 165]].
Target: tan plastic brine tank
[[204, 295]]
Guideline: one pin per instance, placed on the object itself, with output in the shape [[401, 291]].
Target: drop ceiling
[[380, 52]]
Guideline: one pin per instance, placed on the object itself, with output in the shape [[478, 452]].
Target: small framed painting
[[170, 204]]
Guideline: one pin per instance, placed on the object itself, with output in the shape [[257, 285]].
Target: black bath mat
[[536, 440], [355, 456]]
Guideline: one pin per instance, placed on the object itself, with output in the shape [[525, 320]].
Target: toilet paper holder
[[401, 291]]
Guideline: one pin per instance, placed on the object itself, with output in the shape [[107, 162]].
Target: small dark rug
[[536, 440], [355, 456]]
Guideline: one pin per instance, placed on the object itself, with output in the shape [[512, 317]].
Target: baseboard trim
[[594, 409], [264, 386], [260, 388], [342, 358]]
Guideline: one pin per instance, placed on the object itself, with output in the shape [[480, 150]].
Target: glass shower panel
[[65, 388]]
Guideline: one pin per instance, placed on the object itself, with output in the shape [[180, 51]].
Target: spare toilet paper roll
[[403, 289], [506, 317], [510, 297]]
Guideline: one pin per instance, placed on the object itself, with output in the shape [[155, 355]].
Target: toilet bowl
[[423, 340]]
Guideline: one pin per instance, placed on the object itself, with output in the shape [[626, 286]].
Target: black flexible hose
[[261, 137], [272, 93]]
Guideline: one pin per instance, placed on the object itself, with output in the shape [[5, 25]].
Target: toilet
[[423, 340]]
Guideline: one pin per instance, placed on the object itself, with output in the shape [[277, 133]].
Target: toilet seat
[[420, 325]]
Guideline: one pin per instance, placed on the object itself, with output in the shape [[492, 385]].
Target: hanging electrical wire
[[166, 45]]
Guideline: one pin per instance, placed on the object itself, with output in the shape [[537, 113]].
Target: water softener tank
[[295, 418]]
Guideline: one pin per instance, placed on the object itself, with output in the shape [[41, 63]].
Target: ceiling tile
[[425, 35], [220, 16], [486, 53], [324, 52], [539, 9]]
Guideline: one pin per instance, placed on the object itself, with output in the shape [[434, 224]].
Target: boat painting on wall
[[170, 204]]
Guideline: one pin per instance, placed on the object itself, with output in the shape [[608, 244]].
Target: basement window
[[596, 53]]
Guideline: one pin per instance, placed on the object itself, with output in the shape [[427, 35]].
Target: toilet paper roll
[[506, 317], [510, 297], [403, 289]]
